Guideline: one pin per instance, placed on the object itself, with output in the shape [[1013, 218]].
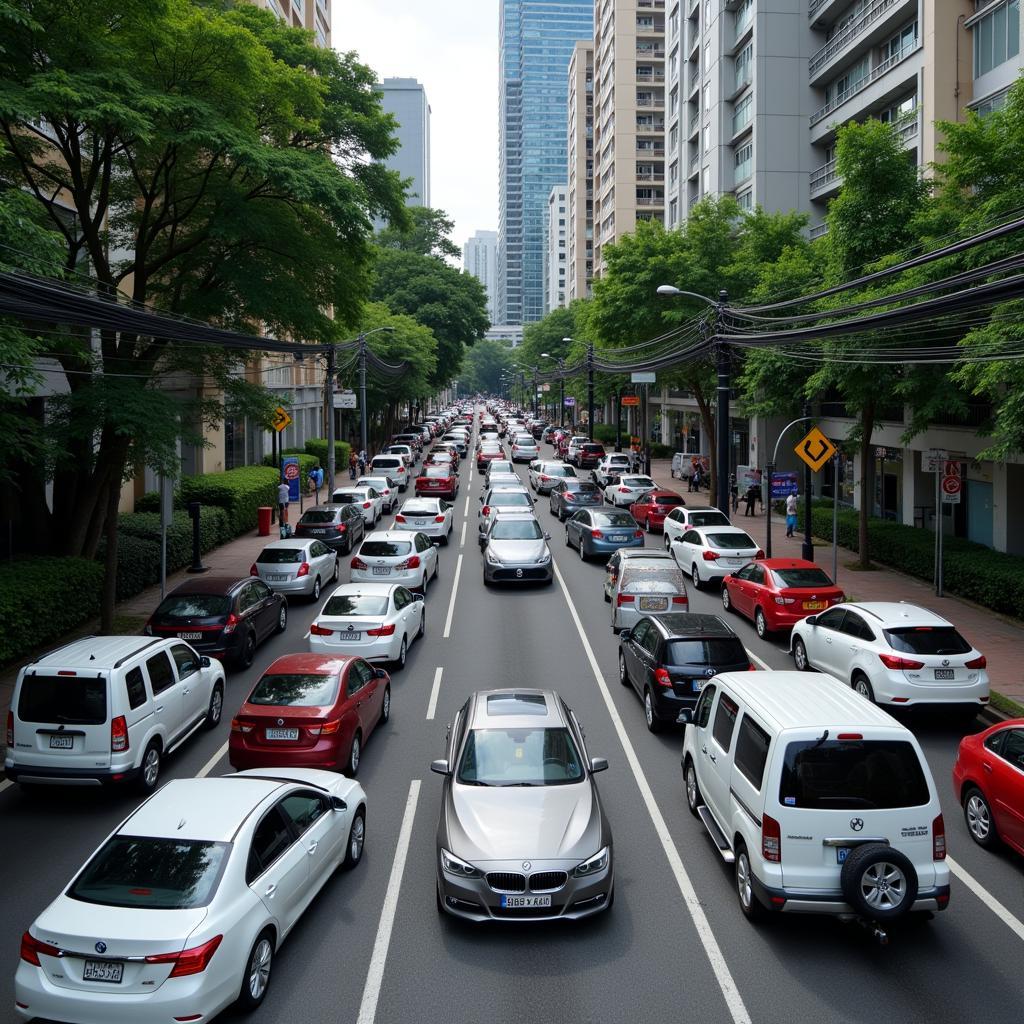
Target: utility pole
[[535, 392], [590, 390], [362, 394], [807, 551], [329, 406], [722, 411], [618, 419]]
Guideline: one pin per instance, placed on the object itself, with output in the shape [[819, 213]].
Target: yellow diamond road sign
[[281, 419], [815, 449]]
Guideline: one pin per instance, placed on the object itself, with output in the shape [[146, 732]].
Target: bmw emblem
[[280, 721], [709, 672], [527, 865], [856, 824], [101, 946], [945, 661]]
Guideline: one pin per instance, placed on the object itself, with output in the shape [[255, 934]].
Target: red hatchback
[[778, 592], [651, 509], [988, 779], [310, 711], [437, 482]]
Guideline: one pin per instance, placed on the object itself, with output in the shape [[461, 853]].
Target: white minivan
[[108, 709], [822, 801]]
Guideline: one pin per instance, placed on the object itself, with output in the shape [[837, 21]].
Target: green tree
[[426, 231], [216, 164], [485, 364]]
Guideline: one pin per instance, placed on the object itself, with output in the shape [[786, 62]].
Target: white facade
[[479, 258], [510, 334], [556, 250], [406, 99]]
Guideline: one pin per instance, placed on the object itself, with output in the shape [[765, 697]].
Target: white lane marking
[[378, 959], [470, 472], [432, 704], [466, 512], [5, 784], [753, 657], [451, 602], [209, 766], [462, 537], [723, 975], [1004, 915]]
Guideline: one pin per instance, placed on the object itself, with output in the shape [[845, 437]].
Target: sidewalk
[[1000, 640]]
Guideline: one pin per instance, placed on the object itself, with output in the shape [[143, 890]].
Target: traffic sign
[[952, 484], [569, 400], [815, 449], [630, 399], [932, 460], [345, 400], [641, 377], [280, 419]]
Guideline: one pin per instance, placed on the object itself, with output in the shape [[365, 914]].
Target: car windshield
[[387, 463], [927, 640], [317, 516], [593, 449], [801, 577], [193, 606], [152, 873], [343, 605], [281, 556], [652, 579], [385, 548], [69, 700], [709, 519], [437, 472], [511, 499], [500, 466], [730, 541], [668, 499], [520, 757], [379, 482], [295, 690], [614, 519], [719, 652], [511, 529], [558, 469], [345, 498], [637, 481]]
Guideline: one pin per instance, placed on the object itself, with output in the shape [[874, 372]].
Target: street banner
[[785, 484], [290, 472]]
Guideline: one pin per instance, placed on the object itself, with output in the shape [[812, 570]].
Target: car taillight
[[366, 504], [623, 490], [544, 478], [118, 734], [303, 569], [412, 562], [316, 630], [596, 534], [239, 726], [341, 528], [438, 519], [188, 961], [624, 599], [680, 599], [400, 518], [387, 630], [486, 510], [760, 553], [357, 562], [638, 533], [751, 668], [976, 662], [10, 729], [779, 599], [938, 839], [233, 620], [661, 677], [893, 661], [31, 948], [253, 571], [771, 839], [710, 556]]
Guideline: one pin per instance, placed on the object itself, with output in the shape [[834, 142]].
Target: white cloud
[[451, 47]]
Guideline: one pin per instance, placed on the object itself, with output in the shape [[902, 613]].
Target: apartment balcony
[[825, 181], [651, 102], [908, 128], [650, 127], [744, 29], [692, 202], [694, 166], [650, 151], [873, 76], [650, 200], [818, 231], [694, 127], [866, 29], [650, 53], [656, 5], [694, 79], [692, 8], [647, 77], [655, 176], [742, 77]]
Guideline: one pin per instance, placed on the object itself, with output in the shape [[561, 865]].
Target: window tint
[[995, 741], [271, 838], [161, 675], [356, 604], [692, 537], [260, 591], [316, 517], [1013, 748], [281, 556], [756, 574], [526, 757], [401, 597], [702, 713], [855, 626], [640, 631], [295, 690], [801, 578], [193, 606], [247, 599], [186, 659], [927, 640], [709, 519], [385, 548], [303, 809], [69, 700], [136, 687], [832, 619], [669, 500], [725, 719], [751, 751], [718, 652], [730, 541]]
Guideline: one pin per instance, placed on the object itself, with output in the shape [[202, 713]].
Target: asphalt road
[[675, 946]]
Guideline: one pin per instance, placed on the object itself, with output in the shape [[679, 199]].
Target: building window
[[744, 162], [991, 103], [903, 42], [847, 83], [745, 199], [898, 111], [743, 61], [997, 38], [705, 178], [673, 212], [743, 114]]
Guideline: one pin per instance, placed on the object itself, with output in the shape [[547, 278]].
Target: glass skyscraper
[[536, 43]]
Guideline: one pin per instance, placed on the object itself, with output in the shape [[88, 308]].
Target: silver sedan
[[516, 551]]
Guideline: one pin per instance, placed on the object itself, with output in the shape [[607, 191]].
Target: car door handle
[[311, 849], [269, 892], [160, 708], [187, 691], [703, 749], [854, 648], [713, 758], [986, 766], [828, 639]]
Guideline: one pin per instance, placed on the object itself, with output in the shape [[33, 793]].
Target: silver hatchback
[[297, 566]]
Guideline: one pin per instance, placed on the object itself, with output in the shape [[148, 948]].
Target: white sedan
[[182, 909], [369, 500], [685, 517], [376, 621], [623, 491], [385, 487], [396, 556], [432, 516], [713, 552]]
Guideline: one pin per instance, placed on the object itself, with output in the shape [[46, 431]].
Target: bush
[[150, 502], [238, 491], [342, 449], [306, 463], [661, 451], [605, 433], [43, 599], [213, 530]]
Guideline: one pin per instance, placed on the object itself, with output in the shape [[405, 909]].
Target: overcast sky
[[451, 47]]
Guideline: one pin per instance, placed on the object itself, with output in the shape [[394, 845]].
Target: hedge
[[990, 578], [213, 531], [342, 449], [306, 463], [240, 492], [605, 433], [43, 599]]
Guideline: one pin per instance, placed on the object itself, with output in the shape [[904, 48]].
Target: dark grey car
[[571, 494], [522, 834], [340, 527]]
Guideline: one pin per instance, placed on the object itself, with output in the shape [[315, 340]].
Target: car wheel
[[248, 650], [403, 652], [583, 553], [334, 575], [978, 816], [878, 882], [726, 599], [356, 840], [653, 723], [693, 797], [749, 903], [316, 589], [216, 708], [623, 672], [760, 623], [800, 659], [667, 542], [355, 754], [385, 706], [695, 575], [863, 687], [282, 621], [256, 979], [149, 769], [568, 542], [423, 624], [437, 565]]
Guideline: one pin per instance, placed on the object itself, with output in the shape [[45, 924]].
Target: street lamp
[[590, 385], [560, 362]]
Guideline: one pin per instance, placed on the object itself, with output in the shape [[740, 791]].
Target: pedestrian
[[749, 498], [697, 475], [316, 478], [283, 494], [790, 515], [353, 463], [734, 492], [362, 461], [759, 496]]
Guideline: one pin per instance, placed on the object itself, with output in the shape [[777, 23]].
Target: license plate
[[813, 605], [653, 604], [103, 970], [945, 673], [698, 684], [617, 539], [278, 578], [319, 533], [732, 561], [518, 902], [345, 635], [190, 636], [381, 570], [419, 522], [62, 742], [842, 852], [282, 734]]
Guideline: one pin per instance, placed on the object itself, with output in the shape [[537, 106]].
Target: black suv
[[667, 659]]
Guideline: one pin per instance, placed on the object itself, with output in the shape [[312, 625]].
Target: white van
[[108, 709], [823, 802]]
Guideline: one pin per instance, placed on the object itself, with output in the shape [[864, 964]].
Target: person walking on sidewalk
[[790, 515], [750, 497], [283, 492], [316, 478], [362, 461], [353, 464]]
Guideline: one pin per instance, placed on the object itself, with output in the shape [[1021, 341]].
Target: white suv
[[109, 709], [823, 803], [892, 653]]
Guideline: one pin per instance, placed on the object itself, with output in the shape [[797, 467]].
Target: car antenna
[[821, 739]]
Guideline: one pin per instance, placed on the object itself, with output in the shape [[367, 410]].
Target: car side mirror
[[811, 620], [381, 673], [599, 764], [338, 804], [547, 536], [204, 661], [481, 499], [417, 597], [441, 766], [626, 634], [685, 717]]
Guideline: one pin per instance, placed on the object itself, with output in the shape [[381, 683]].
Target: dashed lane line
[[1013, 923], [434, 690], [451, 601], [211, 764]]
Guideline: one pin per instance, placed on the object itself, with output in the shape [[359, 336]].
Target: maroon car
[[437, 482], [650, 510], [590, 455]]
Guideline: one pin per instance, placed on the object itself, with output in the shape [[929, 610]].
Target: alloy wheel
[[259, 968], [884, 886], [979, 819]]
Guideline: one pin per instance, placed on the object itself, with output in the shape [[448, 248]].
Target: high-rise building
[[555, 262], [311, 14], [479, 258], [536, 42], [580, 200], [406, 99]]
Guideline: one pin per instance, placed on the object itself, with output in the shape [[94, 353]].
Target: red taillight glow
[[710, 556], [486, 510], [680, 599], [760, 553], [544, 478], [779, 599], [118, 734], [253, 571], [623, 490], [233, 620], [850, 737], [240, 726], [596, 534], [638, 533], [388, 630], [412, 562], [976, 662], [622, 599], [400, 518], [893, 661], [661, 677], [303, 569], [939, 839], [358, 563], [31, 948], [316, 630], [341, 528], [771, 839], [327, 729], [438, 519], [188, 961], [366, 504]]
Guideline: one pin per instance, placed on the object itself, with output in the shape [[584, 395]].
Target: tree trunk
[[707, 420], [108, 599], [867, 475]]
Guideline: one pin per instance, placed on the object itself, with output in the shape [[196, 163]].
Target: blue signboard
[[785, 484], [290, 473]]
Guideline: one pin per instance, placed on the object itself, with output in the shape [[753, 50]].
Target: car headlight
[[492, 558], [544, 559], [593, 864], [454, 866]]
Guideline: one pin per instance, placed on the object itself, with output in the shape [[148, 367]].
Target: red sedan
[[651, 509], [778, 592], [988, 779], [437, 482], [310, 711]]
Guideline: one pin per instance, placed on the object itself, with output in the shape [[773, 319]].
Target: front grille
[[547, 881], [526, 911], [506, 881], [526, 574]]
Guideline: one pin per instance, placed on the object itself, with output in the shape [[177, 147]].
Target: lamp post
[[361, 339]]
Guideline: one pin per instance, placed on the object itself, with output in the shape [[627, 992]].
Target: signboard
[[345, 400], [643, 378], [630, 399], [952, 483], [815, 449], [280, 419], [747, 477], [290, 472], [569, 401], [784, 484], [545, 387], [932, 460]]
